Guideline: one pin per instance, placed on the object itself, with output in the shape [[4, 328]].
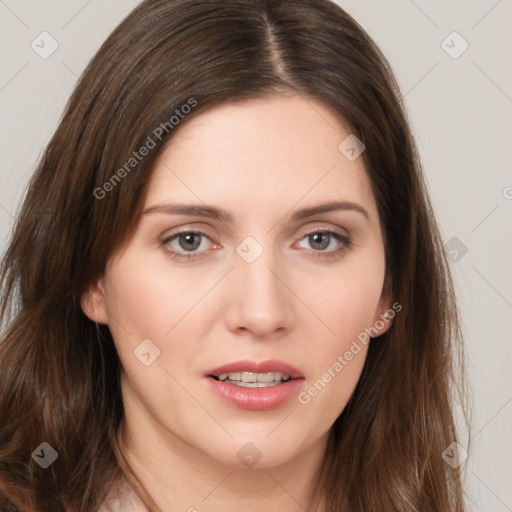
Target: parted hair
[[59, 371]]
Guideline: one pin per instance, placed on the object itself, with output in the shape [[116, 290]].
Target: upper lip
[[247, 365]]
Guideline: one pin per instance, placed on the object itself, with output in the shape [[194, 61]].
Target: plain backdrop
[[452, 60]]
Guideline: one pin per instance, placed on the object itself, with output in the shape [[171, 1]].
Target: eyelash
[[176, 254], [345, 240]]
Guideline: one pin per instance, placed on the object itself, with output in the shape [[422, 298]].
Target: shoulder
[[122, 498]]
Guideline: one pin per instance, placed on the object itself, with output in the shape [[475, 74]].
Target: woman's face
[[260, 248]]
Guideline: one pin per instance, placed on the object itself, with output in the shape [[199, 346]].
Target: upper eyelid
[[325, 229], [169, 235], [311, 230]]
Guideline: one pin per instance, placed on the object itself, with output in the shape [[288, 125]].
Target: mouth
[[256, 385], [252, 380], [249, 373]]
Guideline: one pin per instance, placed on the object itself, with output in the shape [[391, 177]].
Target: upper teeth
[[254, 377]]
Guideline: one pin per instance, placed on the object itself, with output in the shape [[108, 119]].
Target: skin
[[261, 160]]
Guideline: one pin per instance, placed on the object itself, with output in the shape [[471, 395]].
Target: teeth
[[253, 384], [251, 379], [266, 377]]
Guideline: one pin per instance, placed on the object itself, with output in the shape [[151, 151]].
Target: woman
[[226, 287]]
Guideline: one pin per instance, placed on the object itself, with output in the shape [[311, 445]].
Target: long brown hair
[[59, 371]]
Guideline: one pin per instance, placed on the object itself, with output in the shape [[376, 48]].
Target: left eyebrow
[[329, 207]]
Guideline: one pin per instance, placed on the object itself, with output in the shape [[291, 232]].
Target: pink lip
[[270, 365], [256, 399]]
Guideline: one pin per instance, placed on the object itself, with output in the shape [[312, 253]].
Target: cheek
[[140, 304], [153, 301], [347, 303], [149, 300], [346, 297]]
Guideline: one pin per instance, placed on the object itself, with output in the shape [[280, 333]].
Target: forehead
[[262, 155]]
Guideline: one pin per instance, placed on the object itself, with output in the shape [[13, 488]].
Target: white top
[[122, 498]]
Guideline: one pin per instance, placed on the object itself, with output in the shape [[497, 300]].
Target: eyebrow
[[212, 212]]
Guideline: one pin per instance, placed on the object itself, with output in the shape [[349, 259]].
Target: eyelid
[[166, 238], [344, 240], [169, 236], [327, 229]]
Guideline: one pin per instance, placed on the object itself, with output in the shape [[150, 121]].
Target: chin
[[257, 451]]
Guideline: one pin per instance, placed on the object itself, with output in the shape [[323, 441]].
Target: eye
[[187, 244], [325, 242]]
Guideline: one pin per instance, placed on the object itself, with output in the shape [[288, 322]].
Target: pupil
[[187, 241], [319, 240]]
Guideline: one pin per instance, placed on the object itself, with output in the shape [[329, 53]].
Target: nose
[[259, 301]]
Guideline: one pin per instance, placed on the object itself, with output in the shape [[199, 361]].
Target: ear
[[94, 303], [385, 312]]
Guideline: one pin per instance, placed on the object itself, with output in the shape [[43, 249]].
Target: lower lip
[[256, 399]]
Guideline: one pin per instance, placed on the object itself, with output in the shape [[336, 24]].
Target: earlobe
[[384, 320], [93, 302], [385, 312]]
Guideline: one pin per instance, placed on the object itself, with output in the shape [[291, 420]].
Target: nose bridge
[[260, 302]]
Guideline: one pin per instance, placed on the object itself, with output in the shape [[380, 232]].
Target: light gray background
[[460, 110]]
